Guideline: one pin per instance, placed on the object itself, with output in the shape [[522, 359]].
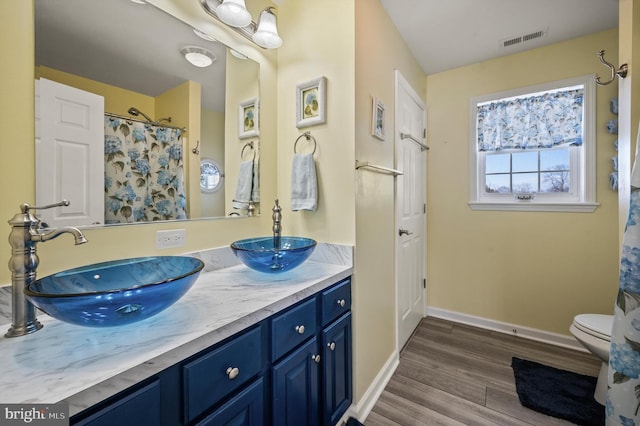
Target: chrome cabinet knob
[[300, 329], [331, 346], [316, 358], [341, 303], [232, 372]]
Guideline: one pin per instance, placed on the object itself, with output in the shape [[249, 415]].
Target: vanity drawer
[[293, 327], [213, 376], [336, 301]]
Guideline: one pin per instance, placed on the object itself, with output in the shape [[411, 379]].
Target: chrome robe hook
[[622, 72]]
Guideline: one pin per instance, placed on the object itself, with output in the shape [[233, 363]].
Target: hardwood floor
[[453, 374]]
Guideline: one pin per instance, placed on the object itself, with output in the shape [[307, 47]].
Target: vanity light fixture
[[232, 13], [267, 33], [198, 56]]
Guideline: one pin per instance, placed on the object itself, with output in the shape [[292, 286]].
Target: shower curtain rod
[[155, 123]]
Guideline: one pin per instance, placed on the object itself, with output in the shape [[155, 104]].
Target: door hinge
[[424, 283], [424, 133], [424, 208]]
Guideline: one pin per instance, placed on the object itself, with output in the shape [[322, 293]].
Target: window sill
[[535, 207]]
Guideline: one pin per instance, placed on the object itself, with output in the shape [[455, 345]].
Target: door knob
[[403, 231]]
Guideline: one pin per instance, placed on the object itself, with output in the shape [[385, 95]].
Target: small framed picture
[[311, 102], [377, 119], [248, 113]]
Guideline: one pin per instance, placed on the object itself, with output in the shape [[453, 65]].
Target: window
[[534, 148]]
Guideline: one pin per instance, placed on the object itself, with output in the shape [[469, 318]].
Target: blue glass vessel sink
[[115, 293], [264, 254]]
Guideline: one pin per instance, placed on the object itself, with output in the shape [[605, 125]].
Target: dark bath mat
[[557, 393]]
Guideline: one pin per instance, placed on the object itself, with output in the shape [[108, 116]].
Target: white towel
[[244, 187], [304, 183], [255, 191]]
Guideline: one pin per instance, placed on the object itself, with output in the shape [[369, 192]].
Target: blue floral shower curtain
[[623, 396], [531, 122], [144, 175]]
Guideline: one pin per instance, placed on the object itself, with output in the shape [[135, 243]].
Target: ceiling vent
[[513, 41]]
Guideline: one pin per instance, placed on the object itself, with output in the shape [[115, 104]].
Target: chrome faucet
[[25, 233], [277, 227]]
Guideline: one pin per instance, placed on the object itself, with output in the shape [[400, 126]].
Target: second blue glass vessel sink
[[115, 293], [267, 254]]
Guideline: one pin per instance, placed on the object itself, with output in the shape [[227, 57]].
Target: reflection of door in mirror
[[69, 154]]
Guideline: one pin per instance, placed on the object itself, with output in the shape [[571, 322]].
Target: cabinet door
[[141, 407], [295, 387], [244, 409], [336, 369]]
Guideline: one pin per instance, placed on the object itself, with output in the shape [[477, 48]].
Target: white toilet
[[593, 331]]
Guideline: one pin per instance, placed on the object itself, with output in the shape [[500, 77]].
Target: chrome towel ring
[[308, 136]]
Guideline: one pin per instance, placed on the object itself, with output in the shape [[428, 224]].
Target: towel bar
[[375, 167], [423, 147], [308, 136]]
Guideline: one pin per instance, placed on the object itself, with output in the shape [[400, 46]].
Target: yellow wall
[[212, 147], [318, 41], [532, 269], [379, 52]]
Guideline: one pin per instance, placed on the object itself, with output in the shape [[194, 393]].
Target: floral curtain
[[531, 122], [144, 175], [623, 396]]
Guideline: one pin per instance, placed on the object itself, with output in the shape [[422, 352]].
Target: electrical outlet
[[171, 238]]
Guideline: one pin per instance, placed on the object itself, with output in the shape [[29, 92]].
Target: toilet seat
[[596, 325]]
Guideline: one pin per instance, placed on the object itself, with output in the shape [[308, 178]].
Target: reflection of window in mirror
[[210, 176]]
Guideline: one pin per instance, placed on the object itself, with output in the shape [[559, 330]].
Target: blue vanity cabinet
[[292, 368]]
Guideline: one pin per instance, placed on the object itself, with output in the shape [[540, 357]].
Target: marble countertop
[[86, 365]]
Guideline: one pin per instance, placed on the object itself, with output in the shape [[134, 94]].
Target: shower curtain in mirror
[[623, 396], [144, 174]]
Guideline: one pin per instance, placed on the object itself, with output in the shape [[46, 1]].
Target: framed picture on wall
[[311, 102], [248, 125], [377, 119]]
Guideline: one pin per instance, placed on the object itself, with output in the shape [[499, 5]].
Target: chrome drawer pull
[[300, 329], [232, 372], [331, 345], [341, 302], [316, 358]]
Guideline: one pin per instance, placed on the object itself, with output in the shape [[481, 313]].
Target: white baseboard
[[361, 409], [512, 329]]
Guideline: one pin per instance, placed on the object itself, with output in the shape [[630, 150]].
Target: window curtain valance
[[531, 122]]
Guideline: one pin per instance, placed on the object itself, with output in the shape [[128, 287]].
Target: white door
[[69, 154], [410, 210]]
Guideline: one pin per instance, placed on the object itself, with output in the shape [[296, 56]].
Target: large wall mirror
[[123, 64]]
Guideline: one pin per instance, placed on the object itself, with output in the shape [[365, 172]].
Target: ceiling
[[125, 44], [446, 34]]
